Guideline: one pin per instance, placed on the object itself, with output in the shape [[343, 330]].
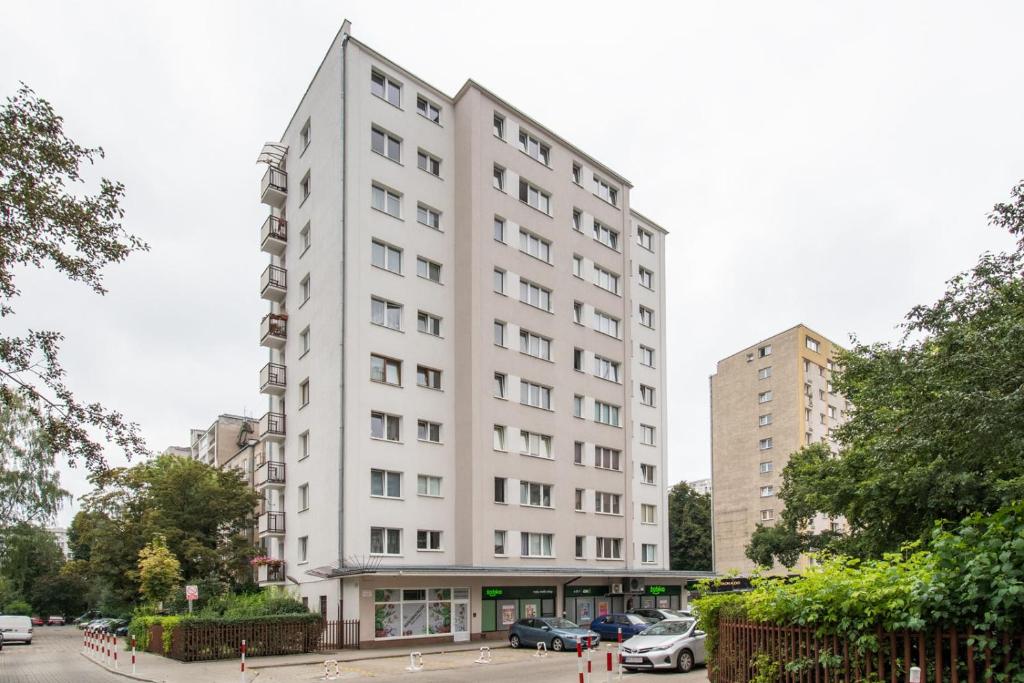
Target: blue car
[[556, 634], [631, 624]]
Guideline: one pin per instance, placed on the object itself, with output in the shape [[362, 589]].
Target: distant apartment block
[[701, 486], [767, 401], [222, 440]]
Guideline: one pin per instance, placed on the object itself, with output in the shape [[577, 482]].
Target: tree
[[27, 553], [937, 428], [689, 528], [29, 482], [159, 571], [46, 222], [61, 593]]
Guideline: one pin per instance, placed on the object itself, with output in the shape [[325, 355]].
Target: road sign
[[191, 593]]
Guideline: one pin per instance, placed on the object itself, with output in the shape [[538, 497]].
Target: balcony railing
[[273, 283], [272, 426], [272, 523], [274, 187], [274, 235], [272, 379], [274, 330], [270, 472], [271, 573]]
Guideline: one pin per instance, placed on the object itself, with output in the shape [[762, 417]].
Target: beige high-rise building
[[767, 401]]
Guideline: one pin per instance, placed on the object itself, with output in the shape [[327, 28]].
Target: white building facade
[[466, 364]]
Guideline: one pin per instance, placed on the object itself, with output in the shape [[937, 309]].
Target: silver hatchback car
[[669, 644]]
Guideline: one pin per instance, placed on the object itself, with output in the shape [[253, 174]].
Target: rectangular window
[[304, 341], [304, 393], [305, 186], [428, 217], [646, 395], [766, 467], [499, 178], [428, 109], [428, 540], [577, 360], [534, 495], [428, 431], [428, 324], [765, 444], [386, 370], [304, 238], [534, 246], [577, 312], [500, 542], [647, 435], [386, 313], [304, 136], [427, 485], [429, 270], [426, 161], [577, 174], [606, 369], [534, 196], [832, 413], [536, 545], [577, 265], [767, 491], [303, 548], [606, 236], [767, 515], [385, 426], [764, 351], [499, 333], [537, 445], [646, 317], [303, 497], [648, 514], [303, 445], [386, 256], [606, 280], [606, 191], [499, 438], [499, 126], [500, 490], [764, 397], [581, 543], [606, 413], [536, 395], [577, 220], [646, 473], [428, 377], [577, 453], [645, 239], [388, 90], [385, 541], [607, 503], [764, 373], [764, 420], [387, 201], [499, 280], [535, 295], [609, 548], [646, 356], [646, 278], [385, 144], [500, 385], [385, 484], [606, 324], [534, 148], [577, 406], [607, 458], [499, 229], [812, 344], [579, 500], [648, 553], [534, 345], [304, 289]]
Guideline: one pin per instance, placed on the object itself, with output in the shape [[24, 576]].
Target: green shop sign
[[517, 592], [662, 590], [586, 591]]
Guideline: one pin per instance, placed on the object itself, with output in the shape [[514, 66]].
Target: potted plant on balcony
[[266, 561]]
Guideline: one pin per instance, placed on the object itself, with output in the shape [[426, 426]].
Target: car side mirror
[[546, 628], [699, 633]]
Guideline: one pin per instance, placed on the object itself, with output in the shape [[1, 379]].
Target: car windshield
[[670, 628], [559, 623], [676, 613], [637, 619]]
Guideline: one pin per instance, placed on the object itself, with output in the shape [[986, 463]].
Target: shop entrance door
[[460, 614], [508, 613]]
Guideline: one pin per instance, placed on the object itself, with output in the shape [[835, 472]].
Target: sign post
[[191, 594]]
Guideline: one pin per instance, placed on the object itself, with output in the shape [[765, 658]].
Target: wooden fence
[[339, 635], [201, 642], [746, 649]]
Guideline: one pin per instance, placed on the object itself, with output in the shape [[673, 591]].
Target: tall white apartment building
[[466, 363]]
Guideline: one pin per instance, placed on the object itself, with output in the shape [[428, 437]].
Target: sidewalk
[[157, 669]]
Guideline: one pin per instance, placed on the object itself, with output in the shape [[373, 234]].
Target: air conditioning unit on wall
[[636, 585], [616, 589]]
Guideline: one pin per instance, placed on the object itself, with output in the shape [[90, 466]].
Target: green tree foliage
[[689, 528], [46, 221], [937, 429], [61, 593], [200, 510], [27, 553], [159, 571], [29, 482]]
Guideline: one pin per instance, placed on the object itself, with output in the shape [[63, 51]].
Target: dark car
[[556, 634], [610, 624], [114, 625]]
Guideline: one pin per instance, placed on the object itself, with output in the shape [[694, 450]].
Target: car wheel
[[513, 640], [557, 645], [685, 662]]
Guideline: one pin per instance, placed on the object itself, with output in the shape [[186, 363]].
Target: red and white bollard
[[133, 654], [608, 674], [243, 661], [579, 659], [114, 648], [590, 665]]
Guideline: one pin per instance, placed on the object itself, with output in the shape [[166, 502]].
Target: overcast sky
[[819, 162]]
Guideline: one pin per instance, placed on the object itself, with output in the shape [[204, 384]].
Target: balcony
[[270, 473], [274, 187], [267, 573], [272, 378], [272, 427], [271, 523], [274, 235], [273, 283], [274, 330]]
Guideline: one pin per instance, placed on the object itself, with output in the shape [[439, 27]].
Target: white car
[[669, 644], [16, 629], [659, 614]]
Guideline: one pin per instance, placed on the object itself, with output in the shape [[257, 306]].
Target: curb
[[361, 658], [134, 677]]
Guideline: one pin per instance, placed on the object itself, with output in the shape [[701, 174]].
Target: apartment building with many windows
[[767, 401], [466, 362]]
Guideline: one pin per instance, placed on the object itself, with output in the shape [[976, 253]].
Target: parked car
[[55, 620], [608, 625], [83, 621], [115, 625], [98, 624], [669, 644], [1, 640], [557, 634], [660, 614], [16, 628], [37, 621]]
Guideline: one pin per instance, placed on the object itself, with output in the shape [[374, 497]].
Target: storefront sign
[[517, 592], [735, 583], [658, 590], [508, 615], [602, 608], [586, 591]]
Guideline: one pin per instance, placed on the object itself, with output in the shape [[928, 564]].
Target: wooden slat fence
[[339, 635], [194, 643], [943, 655]]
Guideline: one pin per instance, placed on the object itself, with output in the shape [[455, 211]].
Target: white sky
[[819, 162]]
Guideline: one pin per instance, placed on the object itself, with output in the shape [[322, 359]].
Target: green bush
[[19, 607], [266, 602]]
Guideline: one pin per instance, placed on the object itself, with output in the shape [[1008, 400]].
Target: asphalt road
[[51, 658]]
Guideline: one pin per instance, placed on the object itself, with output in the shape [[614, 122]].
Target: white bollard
[[415, 661], [915, 675], [485, 656], [542, 649], [332, 670]]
